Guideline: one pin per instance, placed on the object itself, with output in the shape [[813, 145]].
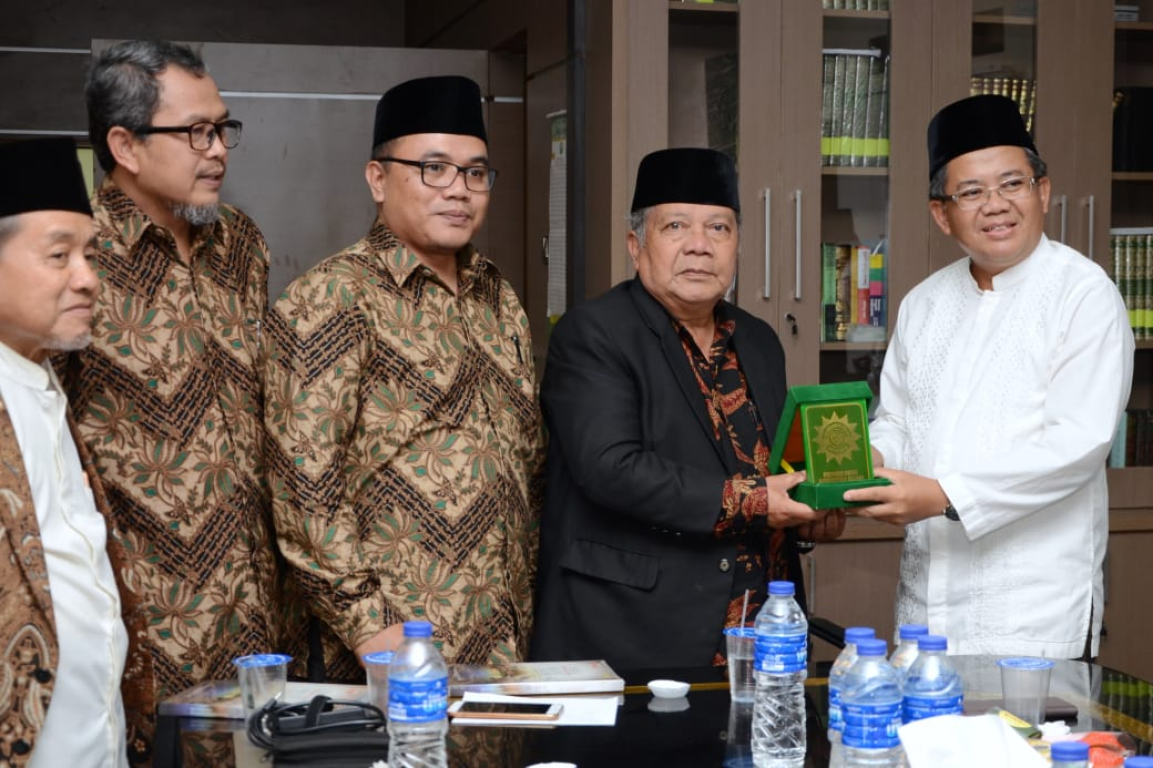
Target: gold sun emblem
[[836, 438]]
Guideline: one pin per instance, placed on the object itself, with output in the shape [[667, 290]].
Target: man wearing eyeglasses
[[1002, 388], [402, 397], [168, 395]]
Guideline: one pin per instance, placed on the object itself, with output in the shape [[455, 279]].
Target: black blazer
[[629, 569]]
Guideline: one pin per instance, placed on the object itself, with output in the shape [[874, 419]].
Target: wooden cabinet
[[649, 87]]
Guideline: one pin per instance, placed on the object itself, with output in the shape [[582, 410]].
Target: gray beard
[[197, 215], [74, 344]]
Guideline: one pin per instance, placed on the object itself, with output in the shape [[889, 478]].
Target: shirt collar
[[132, 223], [23, 371], [1018, 273], [401, 263]]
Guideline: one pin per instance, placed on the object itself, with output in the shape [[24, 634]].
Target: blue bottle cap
[[932, 643], [1027, 662], [1141, 761], [872, 646], [857, 634], [417, 629], [261, 660], [909, 631], [1069, 750], [782, 588], [378, 657]]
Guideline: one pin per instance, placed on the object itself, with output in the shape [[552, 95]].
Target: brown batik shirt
[[168, 401], [409, 447], [739, 430]]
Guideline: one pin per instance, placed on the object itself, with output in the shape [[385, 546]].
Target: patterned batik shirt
[[738, 429], [410, 443], [168, 401]]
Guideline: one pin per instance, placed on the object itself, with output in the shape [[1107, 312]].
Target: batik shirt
[[409, 444], [739, 431], [168, 400]]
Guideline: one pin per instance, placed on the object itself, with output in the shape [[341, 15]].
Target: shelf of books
[[855, 183]]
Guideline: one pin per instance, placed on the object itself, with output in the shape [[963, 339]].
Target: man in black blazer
[[661, 401]]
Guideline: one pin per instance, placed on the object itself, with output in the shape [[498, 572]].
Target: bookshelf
[[653, 93]]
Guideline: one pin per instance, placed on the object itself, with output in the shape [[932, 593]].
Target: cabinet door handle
[[1092, 223], [1064, 219], [767, 198], [798, 243]]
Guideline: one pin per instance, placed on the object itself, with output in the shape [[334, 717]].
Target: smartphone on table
[[526, 710]]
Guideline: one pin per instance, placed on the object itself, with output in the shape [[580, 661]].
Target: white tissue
[[954, 741]]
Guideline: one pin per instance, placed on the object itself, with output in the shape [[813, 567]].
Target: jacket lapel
[[658, 321], [18, 517]]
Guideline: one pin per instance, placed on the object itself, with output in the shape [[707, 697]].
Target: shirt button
[[724, 565]]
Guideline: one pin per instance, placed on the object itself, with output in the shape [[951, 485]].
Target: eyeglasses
[[441, 174], [201, 135], [1009, 189]]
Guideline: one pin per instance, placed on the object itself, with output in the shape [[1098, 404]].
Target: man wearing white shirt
[[1002, 388], [64, 629]]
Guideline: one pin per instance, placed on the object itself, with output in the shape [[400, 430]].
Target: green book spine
[[860, 110], [883, 120], [837, 118], [828, 70], [1127, 284], [828, 290], [844, 291]]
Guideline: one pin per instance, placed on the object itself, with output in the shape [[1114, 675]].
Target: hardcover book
[[539, 677]]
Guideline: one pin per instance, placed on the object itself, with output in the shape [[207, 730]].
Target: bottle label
[[417, 701], [781, 654], [836, 717], [871, 726], [920, 707]]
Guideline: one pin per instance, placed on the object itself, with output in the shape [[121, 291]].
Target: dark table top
[[703, 729]]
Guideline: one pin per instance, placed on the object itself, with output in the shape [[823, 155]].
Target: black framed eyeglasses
[[441, 173], [201, 135], [972, 198]]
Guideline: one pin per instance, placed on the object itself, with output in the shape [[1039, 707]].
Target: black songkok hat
[[446, 104], [686, 175], [975, 123], [42, 175]]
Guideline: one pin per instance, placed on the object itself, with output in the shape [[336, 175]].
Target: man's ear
[[634, 246], [937, 208], [122, 144], [374, 175]]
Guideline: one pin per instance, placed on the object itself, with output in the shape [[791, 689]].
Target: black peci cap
[[686, 175], [42, 175], [974, 123], [444, 104]]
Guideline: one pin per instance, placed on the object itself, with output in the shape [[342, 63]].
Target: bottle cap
[[782, 588], [932, 643], [872, 646], [1069, 750], [857, 634], [1141, 761], [909, 631], [417, 629]]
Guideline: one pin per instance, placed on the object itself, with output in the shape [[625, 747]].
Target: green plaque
[[824, 430]]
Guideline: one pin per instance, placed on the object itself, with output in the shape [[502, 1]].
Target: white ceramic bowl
[[668, 689]]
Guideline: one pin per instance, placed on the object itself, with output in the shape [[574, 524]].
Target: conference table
[[702, 729]]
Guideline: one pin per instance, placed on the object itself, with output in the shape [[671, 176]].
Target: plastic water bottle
[[781, 665], [932, 686], [417, 701], [1069, 754], [871, 702], [840, 668], [906, 651]]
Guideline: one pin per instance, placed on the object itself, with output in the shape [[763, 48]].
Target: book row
[[855, 108], [1019, 89], [1131, 251], [856, 5], [1133, 442], [854, 299]]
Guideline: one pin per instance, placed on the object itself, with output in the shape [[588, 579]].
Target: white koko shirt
[[1010, 399], [84, 726]]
